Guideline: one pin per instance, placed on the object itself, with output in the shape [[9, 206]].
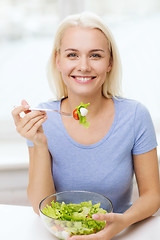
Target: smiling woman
[[84, 64], [103, 36], [119, 142]]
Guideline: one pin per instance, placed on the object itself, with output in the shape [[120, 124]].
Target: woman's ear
[[110, 64]]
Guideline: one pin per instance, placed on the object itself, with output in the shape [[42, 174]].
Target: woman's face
[[84, 60]]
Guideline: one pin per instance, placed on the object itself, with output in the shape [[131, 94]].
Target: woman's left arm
[[147, 176]]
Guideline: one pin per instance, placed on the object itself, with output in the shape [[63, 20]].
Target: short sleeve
[[144, 132]]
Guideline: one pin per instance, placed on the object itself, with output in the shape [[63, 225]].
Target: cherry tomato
[[75, 114]]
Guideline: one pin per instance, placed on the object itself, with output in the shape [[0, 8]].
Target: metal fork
[[52, 110]]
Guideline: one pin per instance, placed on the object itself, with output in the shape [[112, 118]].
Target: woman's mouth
[[83, 79]]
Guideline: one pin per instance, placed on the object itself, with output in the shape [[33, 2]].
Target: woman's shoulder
[[127, 102], [131, 106]]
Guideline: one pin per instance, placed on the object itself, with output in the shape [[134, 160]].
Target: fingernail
[[95, 216]]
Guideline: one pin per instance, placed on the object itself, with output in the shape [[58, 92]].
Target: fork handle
[[42, 109], [52, 110]]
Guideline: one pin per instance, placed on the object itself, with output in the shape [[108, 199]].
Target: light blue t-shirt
[[105, 167]]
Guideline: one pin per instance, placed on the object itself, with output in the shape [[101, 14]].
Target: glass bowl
[[63, 229]]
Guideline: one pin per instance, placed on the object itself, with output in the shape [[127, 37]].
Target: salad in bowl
[[70, 213]]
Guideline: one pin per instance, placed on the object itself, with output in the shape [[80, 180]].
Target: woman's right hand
[[30, 126]]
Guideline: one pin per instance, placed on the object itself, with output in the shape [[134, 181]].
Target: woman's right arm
[[40, 175], [41, 182]]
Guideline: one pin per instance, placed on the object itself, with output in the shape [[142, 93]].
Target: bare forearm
[[145, 206], [40, 176], [147, 176]]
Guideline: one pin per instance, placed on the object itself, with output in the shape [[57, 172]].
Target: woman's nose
[[84, 65]]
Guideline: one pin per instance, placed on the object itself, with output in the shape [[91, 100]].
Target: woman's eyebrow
[[93, 50], [71, 49], [97, 50]]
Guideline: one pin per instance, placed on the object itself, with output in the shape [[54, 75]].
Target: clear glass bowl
[[61, 228]]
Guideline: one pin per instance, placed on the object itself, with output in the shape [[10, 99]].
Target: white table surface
[[21, 223]]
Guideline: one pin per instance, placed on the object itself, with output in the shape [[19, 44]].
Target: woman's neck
[[96, 103]]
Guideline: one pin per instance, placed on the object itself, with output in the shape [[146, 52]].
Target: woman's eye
[[95, 55], [72, 55]]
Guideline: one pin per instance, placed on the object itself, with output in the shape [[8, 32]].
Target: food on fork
[[80, 113]]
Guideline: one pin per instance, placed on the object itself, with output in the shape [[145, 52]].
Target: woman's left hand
[[115, 223]]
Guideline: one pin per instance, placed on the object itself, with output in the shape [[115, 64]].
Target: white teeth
[[83, 79]]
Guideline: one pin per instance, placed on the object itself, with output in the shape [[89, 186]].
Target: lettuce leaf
[[83, 119]]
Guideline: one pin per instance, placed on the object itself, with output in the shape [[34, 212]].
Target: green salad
[[77, 217], [80, 113]]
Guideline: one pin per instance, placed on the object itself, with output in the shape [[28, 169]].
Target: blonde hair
[[112, 84]]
